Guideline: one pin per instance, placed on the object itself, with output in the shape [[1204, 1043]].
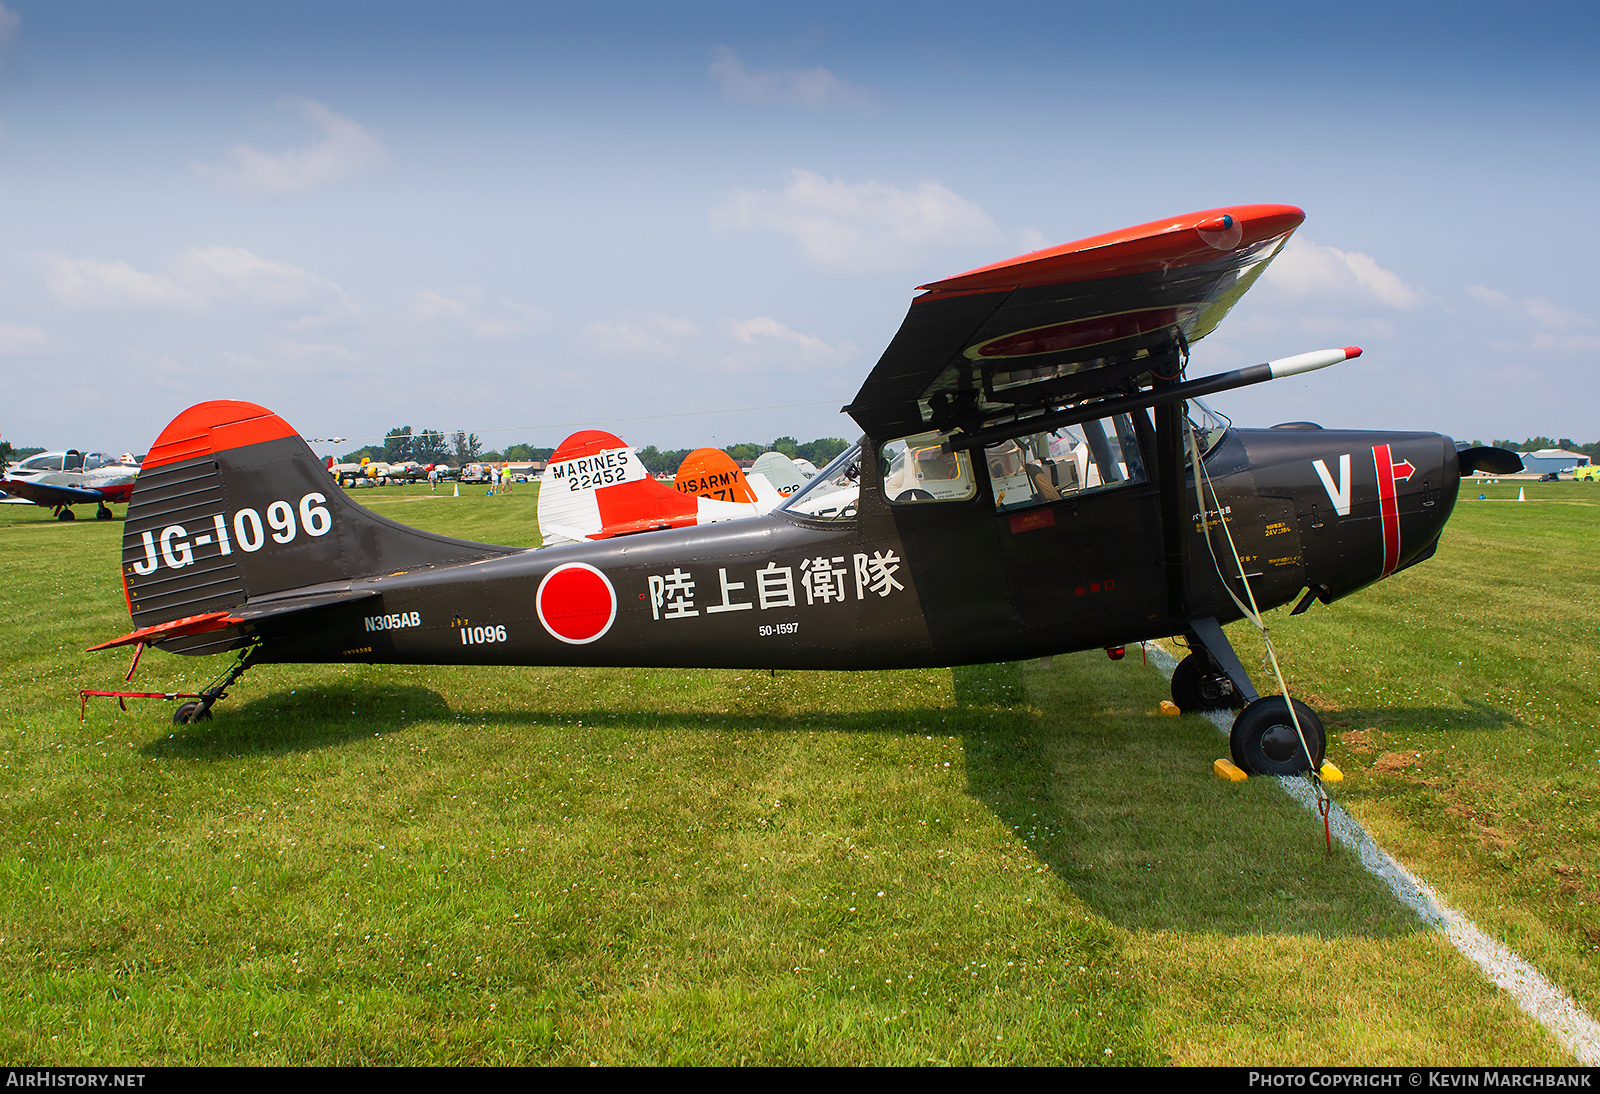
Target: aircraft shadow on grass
[[1122, 807], [302, 720], [1121, 804], [1472, 716]]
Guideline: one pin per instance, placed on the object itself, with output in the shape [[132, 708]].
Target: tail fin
[[232, 505], [595, 487], [711, 473], [783, 473]]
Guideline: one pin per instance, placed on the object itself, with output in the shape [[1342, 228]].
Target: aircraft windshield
[[833, 492], [1209, 426]]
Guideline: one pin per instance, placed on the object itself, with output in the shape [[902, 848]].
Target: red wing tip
[[1352, 352], [1216, 224]]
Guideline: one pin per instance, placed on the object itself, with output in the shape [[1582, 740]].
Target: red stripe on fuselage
[[1388, 506]]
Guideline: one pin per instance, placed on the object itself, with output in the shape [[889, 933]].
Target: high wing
[[1089, 318]]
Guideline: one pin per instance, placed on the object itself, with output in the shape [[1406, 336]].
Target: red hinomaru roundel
[[576, 603]]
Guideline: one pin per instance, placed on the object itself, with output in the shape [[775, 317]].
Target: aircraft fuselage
[[907, 585]]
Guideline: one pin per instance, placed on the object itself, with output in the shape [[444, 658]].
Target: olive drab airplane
[[1027, 485]]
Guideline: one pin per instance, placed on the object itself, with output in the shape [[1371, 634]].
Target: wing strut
[[1169, 477]]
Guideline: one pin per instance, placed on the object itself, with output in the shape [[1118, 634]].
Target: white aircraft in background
[[60, 480]]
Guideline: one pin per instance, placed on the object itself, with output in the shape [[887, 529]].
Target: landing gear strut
[[102, 513], [190, 713], [1263, 740], [1198, 685]]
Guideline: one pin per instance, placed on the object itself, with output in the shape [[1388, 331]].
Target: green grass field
[[1003, 864]]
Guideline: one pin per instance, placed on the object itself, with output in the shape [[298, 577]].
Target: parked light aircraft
[[60, 480], [1031, 481]]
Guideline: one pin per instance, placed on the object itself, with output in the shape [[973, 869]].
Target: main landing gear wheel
[[102, 513], [66, 514], [1197, 686], [190, 713], [1264, 742]]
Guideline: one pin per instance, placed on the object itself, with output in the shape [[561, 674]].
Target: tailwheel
[[1196, 685], [190, 713], [1264, 741]]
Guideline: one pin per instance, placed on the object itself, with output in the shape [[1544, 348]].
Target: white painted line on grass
[[1547, 1004]]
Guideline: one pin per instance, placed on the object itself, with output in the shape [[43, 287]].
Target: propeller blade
[[1495, 461]]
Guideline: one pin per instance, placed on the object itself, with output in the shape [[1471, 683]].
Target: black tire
[[1264, 741], [1196, 687], [190, 713], [102, 513], [66, 514]]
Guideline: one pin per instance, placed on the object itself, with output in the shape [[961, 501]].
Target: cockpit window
[[832, 493], [49, 461], [919, 469], [1036, 468]]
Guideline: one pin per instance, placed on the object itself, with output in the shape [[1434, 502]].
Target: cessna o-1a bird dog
[[1031, 482]]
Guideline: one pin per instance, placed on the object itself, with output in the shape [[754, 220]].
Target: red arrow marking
[[1408, 470]]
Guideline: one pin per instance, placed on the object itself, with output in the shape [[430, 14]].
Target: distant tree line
[[1534, 444], [460, 448], [819, 452]]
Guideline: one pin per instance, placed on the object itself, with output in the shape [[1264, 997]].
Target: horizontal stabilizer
[[177, 628], [259, 611]]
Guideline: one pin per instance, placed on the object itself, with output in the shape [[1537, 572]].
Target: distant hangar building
[[1546, 460]]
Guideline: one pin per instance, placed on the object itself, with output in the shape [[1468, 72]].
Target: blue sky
[[523, 219]]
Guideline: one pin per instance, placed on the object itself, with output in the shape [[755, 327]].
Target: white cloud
[[1546, 326], [200, 277], [235, 274], [732, 345], [501, 320], [1306, 270], [865, 226], [346, 150], [748, 331], [18, 341], [100, 283], [763, 341], [813, 87], [653, 337]]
